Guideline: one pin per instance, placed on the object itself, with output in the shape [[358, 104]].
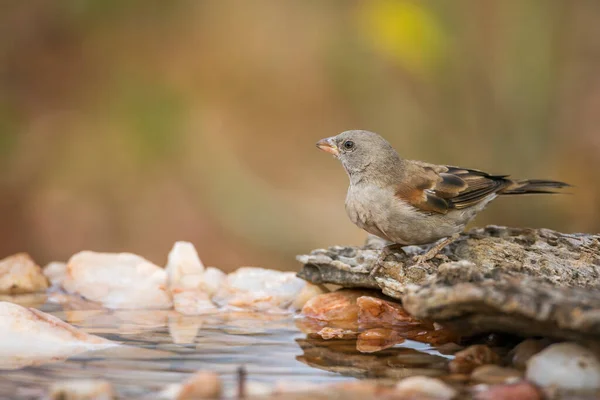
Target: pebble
[[517, 391], [494, 374], [201, 385], [82, 390], [565, 365], [422, 387], [465, 361], [525, 350]]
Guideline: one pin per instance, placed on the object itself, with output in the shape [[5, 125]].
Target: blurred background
[[128, 125]]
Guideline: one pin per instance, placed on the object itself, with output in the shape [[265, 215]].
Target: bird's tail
[[535, 186]]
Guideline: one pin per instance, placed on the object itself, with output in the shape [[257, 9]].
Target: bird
[[408, 202]]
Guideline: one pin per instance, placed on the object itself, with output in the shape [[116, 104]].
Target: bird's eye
[[348, 144]]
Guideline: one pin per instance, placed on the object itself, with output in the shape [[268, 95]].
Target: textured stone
[[523, 281], [20, 274]]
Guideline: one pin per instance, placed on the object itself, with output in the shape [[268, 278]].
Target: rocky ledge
[[523, 281]]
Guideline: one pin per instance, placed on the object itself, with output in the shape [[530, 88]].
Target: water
[[162, 347]]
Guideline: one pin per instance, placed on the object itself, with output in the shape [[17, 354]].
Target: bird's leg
[[431, 253], [385, 252]]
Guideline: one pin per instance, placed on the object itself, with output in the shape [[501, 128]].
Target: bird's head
[[361, 152]]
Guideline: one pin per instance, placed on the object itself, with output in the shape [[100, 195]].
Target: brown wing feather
[[439, 188]]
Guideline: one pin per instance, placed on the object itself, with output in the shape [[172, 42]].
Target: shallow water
[[162, 347]]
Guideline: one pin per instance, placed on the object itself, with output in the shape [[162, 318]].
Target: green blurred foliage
[[127, 125]]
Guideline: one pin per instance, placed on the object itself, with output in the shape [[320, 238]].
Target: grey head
[[365, 155]]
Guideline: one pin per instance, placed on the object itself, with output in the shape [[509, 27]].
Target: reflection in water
[[162, 347]]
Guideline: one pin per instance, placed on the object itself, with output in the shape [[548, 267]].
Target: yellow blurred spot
[[404, 31]]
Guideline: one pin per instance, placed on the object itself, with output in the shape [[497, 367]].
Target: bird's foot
[[421, 259], [434, 251], [385, 252]]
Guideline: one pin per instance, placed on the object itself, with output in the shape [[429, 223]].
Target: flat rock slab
[[495, 279]]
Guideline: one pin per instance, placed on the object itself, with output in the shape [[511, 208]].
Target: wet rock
[[423, 387], [190, 283], [521, 281], [377, 339], [493, 375], [375, 312], [118, 280], [566, 366], [521, 354], [259, 289], [202, 385], [55, 272], [341, 305], [516, 391], [31, 337], [82, 390], [465, 361], [308, 292], [20, 274]]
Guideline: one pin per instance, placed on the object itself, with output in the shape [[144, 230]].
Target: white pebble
[[565, 365]]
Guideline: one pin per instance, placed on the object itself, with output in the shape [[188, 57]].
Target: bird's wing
[[434, 188]]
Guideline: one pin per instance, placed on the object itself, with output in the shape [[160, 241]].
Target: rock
[[521, 354], [521, 281], [184, 267], [377, 339], [118, 280], [423, 387], [82, 390], [516, 391], [55, 272], [465, 361], [202, 385], [31, 337], [190, 283], [308, 292], [192, 302], [493, 375], [259, 289], [375, 312], [340, 305], [566, 366], [20, 274]]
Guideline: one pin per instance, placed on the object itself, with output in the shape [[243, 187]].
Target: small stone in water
[[20, 274], [183, 263], [340, 305], [31, 337], [374, 312], [259, 289], [308, 292], [82, 390], [422, 387], [465, 361], [56, 272], [525, 350], [494, 374], [118, 280], [202, 385], [377, 339], [566, 366], [516, 391]]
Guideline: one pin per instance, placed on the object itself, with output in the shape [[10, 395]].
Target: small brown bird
[[410, 202]]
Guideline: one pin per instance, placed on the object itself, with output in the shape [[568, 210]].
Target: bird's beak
[[328, 145]]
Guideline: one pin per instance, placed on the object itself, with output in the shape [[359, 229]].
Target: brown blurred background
[[128, 124]]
